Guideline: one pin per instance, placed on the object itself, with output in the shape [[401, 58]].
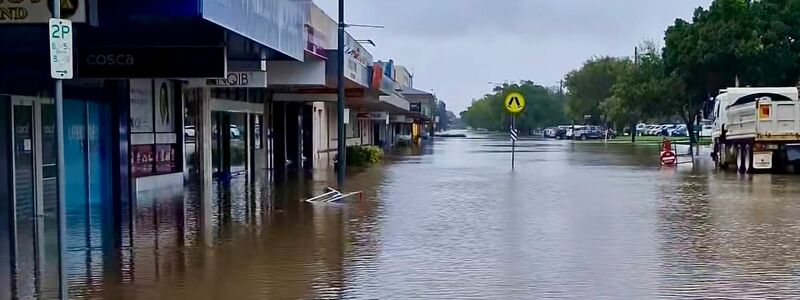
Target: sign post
[[60, 36], [514, 104]]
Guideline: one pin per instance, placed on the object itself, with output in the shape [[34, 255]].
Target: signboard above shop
[[356, 62], [318, 30], [151, 62], [38, 11], [277, 24], [241, 79], [375, 115], [380, 81]]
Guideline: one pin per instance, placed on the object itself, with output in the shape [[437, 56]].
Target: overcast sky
[[456, 47]]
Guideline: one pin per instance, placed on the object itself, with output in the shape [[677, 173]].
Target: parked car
[[640, 128], [665, 129], [550, 132], [588, 132], [651, 130], [570, 132], [680, 130], [561, 133], [609, 133]]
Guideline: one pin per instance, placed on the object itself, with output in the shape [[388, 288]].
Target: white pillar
[[203, 135]]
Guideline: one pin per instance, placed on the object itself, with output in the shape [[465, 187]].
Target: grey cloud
[[457, 46]]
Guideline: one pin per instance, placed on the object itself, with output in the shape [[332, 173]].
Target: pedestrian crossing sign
[[514, 103]]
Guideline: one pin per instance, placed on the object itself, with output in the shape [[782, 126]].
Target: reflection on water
[[452, 221]]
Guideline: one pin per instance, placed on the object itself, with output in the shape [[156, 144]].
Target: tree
[[714, 51], [777, 63], [590, 85], [543, 108], [444, 117], [643, 90]]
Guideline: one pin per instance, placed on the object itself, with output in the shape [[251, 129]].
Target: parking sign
[[60, 32]]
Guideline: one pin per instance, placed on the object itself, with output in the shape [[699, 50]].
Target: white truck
[[756, 129]]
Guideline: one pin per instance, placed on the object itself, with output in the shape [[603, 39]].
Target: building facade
[[125, 116]]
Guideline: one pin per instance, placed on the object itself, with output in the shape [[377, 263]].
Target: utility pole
[[342, 139], [634, 132]]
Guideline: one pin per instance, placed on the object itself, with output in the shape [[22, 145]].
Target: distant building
[[403, 77]]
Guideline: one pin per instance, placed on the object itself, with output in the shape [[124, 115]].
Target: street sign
[[668, 159], [514, 134], [60, 32], [515, 103]]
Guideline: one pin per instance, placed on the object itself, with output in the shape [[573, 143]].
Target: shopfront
[[156, 159], [32, 207], [237, 132], [123, 126]]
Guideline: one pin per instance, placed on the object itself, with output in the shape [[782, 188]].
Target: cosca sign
[[110, 60]]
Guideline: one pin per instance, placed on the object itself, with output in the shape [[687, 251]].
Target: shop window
[[153, 126], [354, 128]]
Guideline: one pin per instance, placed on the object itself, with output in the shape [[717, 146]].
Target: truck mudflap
[[762, 160]]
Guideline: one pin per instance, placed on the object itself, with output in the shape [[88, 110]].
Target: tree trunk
[[692, 136], [688, 119]]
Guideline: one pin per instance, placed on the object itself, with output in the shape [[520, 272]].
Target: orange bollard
[[667, 145]]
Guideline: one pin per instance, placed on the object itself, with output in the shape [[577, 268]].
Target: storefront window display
[[153, 125]]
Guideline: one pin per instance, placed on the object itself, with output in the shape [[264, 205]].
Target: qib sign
[[242, 79], [40, 11]]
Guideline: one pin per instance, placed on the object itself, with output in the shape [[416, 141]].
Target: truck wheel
[[744, 162], [738, 149], [721, 158], [748, 158]]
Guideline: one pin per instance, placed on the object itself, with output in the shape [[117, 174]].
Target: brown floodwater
[[451, 220]]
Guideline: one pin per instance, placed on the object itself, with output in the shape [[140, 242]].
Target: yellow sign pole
[[514, 104]]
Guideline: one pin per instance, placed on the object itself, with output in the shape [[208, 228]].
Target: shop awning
[[277, 24]]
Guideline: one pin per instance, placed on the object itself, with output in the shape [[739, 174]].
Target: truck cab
[[718, 120]]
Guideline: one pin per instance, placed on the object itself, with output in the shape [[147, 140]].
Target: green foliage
[[749, 43], [363, 155], [544, 107], [752, 43], [643, 90], [591, 85]]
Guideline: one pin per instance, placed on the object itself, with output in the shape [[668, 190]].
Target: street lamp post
[[342, 137]]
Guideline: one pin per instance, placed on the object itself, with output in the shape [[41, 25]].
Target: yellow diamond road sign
[[514, 103]]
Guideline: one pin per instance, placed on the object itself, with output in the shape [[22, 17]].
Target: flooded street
[[452, 220]]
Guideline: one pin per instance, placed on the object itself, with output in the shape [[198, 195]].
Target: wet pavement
[[451, 220]]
